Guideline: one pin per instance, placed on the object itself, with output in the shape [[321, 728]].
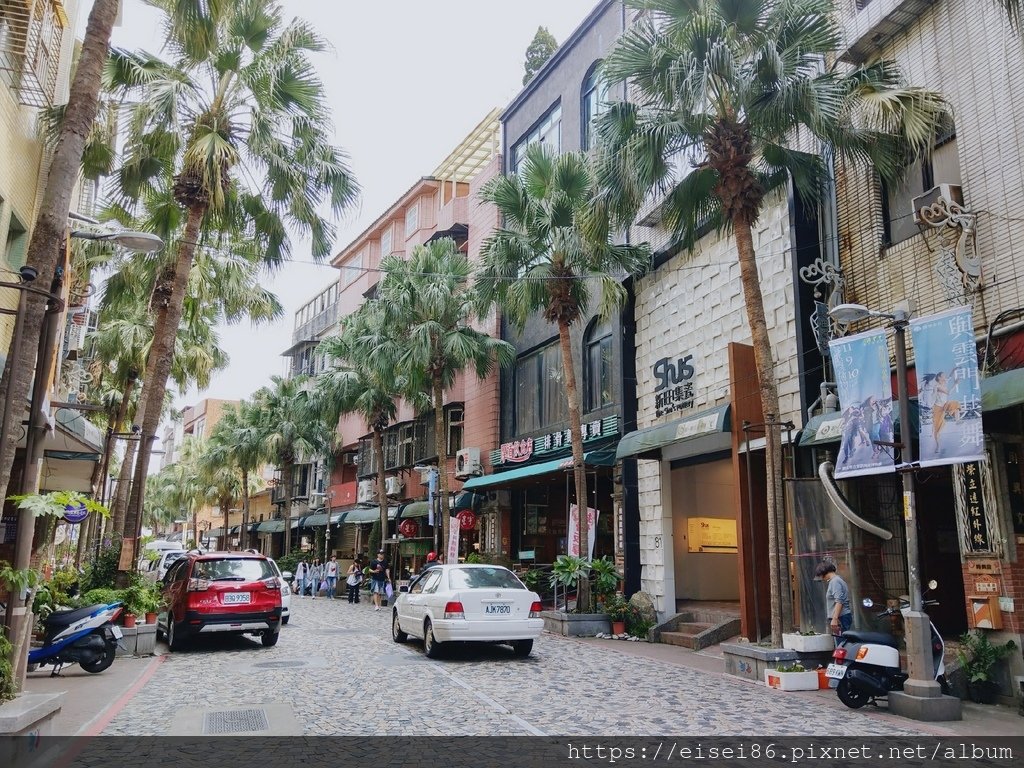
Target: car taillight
[[272, 583], [454, 610], [839, 654], [535, 609], [198, 585]]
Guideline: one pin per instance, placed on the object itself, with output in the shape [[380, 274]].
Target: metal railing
[[31, 32]]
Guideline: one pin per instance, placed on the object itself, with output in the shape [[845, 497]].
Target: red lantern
[[408, 528], [467, 520]]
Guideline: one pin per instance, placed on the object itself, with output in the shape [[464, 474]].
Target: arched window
[[594, 101], [597, 366]]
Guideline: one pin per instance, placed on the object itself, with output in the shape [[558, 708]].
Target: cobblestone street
[[339, 672]]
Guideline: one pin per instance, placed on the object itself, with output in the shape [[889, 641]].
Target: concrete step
[[687, 636], [692, 628]]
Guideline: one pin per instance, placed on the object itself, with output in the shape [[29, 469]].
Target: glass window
[[540, 390], [351, 270], [232, 570], [386, 248], [594, 103], [548, 132], [483, 578], [412, 220], [597, 366], [431, 582]]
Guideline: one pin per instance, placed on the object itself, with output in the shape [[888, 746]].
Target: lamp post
[[922, 696], [432, 500]]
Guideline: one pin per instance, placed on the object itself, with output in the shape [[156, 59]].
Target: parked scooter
[[867, 664], [84, 636]]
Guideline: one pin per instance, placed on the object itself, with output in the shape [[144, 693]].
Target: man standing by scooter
[[837, 599]]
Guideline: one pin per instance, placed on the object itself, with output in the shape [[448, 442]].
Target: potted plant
[[617, 609], [791, 677], [137, 600], [978, 659], [808, 642], [152, 603], [604, 578]]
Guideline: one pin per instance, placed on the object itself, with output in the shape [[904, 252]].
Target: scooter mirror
[[933, 584], [867, 602]]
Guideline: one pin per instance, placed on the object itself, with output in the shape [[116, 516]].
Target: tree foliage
[[538, 52]]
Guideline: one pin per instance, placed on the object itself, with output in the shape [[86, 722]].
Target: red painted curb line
[[112, 711]]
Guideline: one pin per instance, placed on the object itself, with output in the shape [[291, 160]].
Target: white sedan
[[468, 603]]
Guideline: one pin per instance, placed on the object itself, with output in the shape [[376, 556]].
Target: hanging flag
[[431, 490], [574, 530], [453, 542], [948, 388], [861, 364]]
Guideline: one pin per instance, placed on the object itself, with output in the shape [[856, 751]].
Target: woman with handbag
[[353, 580]]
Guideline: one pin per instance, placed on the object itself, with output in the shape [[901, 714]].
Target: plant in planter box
[[137, 600], [791, 677], [618, 610], [978, 658], [567, 572], [532, 579], [604, 578]]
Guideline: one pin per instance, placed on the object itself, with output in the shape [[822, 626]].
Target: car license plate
[[235, 598], [118, 634], [835, 670], [498, 608]]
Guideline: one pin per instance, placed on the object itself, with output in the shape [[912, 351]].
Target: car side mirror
[[404, 588]]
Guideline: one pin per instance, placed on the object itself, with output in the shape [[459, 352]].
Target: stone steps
[[685, 635], [697, 629]]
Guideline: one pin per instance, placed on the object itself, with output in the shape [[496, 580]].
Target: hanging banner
[[948, 388], [431, 492], [861, 364], [574, 530], [453, 542]]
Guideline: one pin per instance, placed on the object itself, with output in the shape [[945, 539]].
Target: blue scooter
[[84, 636]]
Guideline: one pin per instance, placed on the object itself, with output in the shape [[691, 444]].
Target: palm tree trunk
[[382, 496], [441, 446], [226, 506], [115, 426], [124, 484], [778, 566], [101, 466], [578, 467], [46, 247], [169, 301], [288, 477], [243, 537]]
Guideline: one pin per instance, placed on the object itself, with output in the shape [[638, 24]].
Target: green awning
[[1002, 390], [460, 501], [315, 521], [415, 509], [368, 514], [647, 443], [822, 429], [271, 526], [601, 458]]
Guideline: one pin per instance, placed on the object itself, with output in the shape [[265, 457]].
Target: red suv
[[236, 592]]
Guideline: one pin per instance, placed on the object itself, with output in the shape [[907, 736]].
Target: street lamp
[[921, 683], [138, 242]]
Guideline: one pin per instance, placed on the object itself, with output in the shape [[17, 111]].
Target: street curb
[[102, 720]]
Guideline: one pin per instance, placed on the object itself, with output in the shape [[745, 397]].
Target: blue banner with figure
[[948, 388], [861, 363]]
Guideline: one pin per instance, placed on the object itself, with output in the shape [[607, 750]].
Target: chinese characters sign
[[675, 385], [974, 503], [519, 451], [574, 530], [865, 390], [948, 387]]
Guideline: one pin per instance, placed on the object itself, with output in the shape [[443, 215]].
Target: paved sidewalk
[[91, 699], [978, 719]]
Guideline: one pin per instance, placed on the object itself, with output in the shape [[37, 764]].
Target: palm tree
[[1014, 10], [549, 257], [364, 378], [428, 302], [46, 247], [220, 480], [182, 489], [238, 116], [291, 430], [235, 442], [729, 87]]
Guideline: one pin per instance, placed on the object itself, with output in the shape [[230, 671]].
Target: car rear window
[[168, 559], [232, 569], [484, 578]]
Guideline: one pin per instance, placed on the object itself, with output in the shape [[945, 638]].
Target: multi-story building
[[441, 205]]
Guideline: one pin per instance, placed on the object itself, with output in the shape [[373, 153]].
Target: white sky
[[406, 81]]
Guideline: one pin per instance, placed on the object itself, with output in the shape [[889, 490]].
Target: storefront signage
[[948, 388], [75, 513], [711, 534], [408, 528], [467, 520], [974, 503], [453, 543], [518, 451], [674, 391], [1012, 453], [574, 530]]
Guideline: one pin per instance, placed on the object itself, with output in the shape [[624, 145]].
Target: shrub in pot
[[567, 572], [604, 578], [978, 659], [618, 610]]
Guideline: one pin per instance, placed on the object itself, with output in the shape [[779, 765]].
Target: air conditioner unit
[[467, 463], [951, 193], [316, 500], [348, 459], [366, 492], [425, 478], [393, 486]]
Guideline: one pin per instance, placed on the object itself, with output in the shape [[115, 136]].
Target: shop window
[[941, 166], [597, 366], [593, 103], [540, 390], [548, 132]]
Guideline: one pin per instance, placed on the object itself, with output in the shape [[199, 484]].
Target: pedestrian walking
[[316, 576], [331, 573], [837, 599], [380, 575], [301, 576], [353, 580]]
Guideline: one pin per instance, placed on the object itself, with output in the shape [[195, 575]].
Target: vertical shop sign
[[574, 530], [974, 505], [865, 390], [948, 387]]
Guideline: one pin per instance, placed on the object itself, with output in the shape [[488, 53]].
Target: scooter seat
[[879, 638], [67, 618]]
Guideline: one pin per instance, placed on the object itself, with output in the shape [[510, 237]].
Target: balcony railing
[[31, 32]]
